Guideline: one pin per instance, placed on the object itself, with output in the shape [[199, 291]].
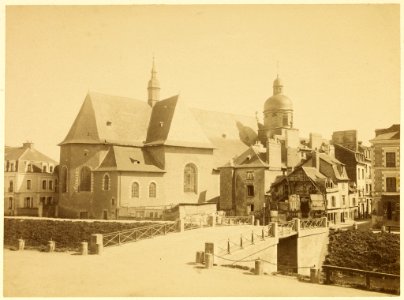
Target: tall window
[[44, 184], [85, 179], [250, 190], [28, 202], [285, 120], [10, 202], [135, 190], [51, 169], [390, 159], [190, 178], [353, 201], [11, 186], [333, 201], [363, 174], [250, 175], [152, 190], [44, 169], [105, 184], [50, 184], [29, 168], [28, 184], [343, 200], [63, 179], [390, 184]]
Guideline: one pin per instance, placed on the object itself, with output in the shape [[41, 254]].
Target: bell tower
[[153, 87]]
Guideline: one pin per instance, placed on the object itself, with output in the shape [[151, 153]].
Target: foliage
[[379, 252], [66, 234]]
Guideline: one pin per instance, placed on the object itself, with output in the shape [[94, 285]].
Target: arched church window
[[106, 183], [190, 178], [135, 190], [63, 179], [285, 120], [152, 190], [85, 179]]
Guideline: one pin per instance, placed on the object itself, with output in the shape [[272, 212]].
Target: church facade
[[129, 158]]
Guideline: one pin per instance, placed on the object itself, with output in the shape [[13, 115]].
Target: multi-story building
[[356, 158], [386, 175], [318, 186], [30, 182]]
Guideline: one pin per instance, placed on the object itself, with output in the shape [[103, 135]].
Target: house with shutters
[[386, 175], [125, 158], [30, 182]]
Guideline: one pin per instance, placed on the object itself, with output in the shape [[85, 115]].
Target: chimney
[[315, 160], [29, 145]]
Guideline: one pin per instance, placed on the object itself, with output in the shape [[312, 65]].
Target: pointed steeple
[[153, 88]]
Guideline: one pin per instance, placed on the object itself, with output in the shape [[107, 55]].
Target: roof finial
[[277, 69], [153, 67]]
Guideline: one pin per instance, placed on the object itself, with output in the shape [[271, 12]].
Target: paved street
[[162, 266]]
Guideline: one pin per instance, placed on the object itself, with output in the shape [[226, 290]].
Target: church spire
[[153, 88]]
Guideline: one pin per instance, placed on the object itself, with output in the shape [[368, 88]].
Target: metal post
[[241, 241], [263, 219], [263, 234], [252, 237], [119, 238], [228, 246]]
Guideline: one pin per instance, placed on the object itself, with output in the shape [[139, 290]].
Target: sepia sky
[[340, 63]]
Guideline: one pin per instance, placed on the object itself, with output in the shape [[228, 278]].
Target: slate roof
[[128, 122], [128, 159], [110, 119], [172, 124], [29, 154], [249, 158]]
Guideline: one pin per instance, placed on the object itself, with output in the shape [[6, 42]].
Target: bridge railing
[[234, 220], [287, 228], [313, 223], [329, 270], [139, 233]]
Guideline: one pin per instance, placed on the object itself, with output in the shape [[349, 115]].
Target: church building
[[130, 158]]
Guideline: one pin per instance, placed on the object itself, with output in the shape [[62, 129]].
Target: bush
[[67, 234], [379, 252]]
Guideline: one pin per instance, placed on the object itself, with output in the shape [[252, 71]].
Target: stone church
[[129, 158]]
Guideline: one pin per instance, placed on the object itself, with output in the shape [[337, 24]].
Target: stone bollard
[[383, 228], [259, 267], [84, 248], [355, 226], [210, 249], [297, 224], [51, 246], [314, 275], [208, 260], [200, 257], [21, 244], [252, 220], [95, 240], [257, 222], [99, 248], [212, 221]]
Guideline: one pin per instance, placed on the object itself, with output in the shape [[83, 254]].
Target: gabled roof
[[128, 159], [172, 124], [26, 153], [249, 158], [110, 119]]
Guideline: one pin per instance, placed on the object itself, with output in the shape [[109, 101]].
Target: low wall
[[310, 249], [196, 209]]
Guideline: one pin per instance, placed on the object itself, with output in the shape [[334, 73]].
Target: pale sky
[[340, 64]]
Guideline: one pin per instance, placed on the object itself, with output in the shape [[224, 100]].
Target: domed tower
[[278, 111], [153, 87]]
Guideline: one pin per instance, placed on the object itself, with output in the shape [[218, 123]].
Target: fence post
[[297, 224], [165, 229], [119, 238], [181, 225], [96, 239]]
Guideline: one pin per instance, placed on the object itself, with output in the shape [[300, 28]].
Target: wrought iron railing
[[234, 220], [312, 223], [139, 233], [287, 228]]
